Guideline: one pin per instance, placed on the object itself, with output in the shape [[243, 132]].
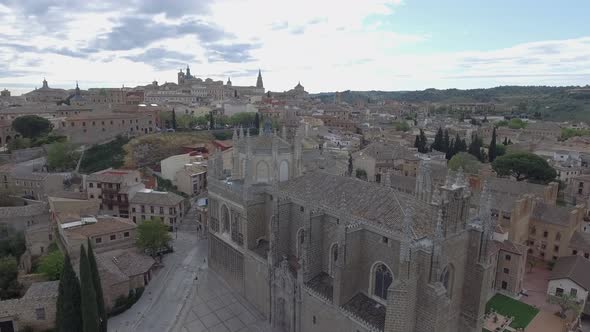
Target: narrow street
[[185, 296]]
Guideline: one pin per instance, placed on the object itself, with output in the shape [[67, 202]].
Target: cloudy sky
[[328, 45]]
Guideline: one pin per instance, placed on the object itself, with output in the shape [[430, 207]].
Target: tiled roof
[[514, 188], [511, 247], [109, 176], [164, 198], [580, 240], [33, 209], [125, 263], [104, 225], [575, 268], [378, 205], [42, 290]]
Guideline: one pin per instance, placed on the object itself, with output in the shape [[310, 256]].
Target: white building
[[571, 275]]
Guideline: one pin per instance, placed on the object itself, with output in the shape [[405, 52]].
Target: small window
[[134, 219], [126, 234], [301, 209], [556, 248], [506, 270], [91, 185], [586, 255], [504, 285], [98, 240], [91, 196], [385, 240], [574, 292], [507, 257], [545, 234], [574, 252], [40, 313], [314, 320], [558, 291], [113, 237]]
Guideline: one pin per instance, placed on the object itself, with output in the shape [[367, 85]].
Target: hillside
[[549, 103]]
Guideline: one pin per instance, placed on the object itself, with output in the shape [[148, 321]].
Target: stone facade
[[113, 189], [321, 252], [36, 309]]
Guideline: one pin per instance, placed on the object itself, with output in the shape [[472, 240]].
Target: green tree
[[516, 123], [211, 120], [12, 242], [475, 147], [524, 166], [102, 314], [492, 154], [9, 285], [245, 119], [438, 143], [450, 150], [566, 302], [402, 126], [465, 160], [52, 265], [90, 318], [153, 235], [62, 156], [31, 126], [173, 119], [421, 142], [18, 143], [69, 313]]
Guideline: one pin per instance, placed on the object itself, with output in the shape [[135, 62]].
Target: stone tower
[[424, 182], [259, 83]]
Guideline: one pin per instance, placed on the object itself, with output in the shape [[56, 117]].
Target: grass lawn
[[522, 312]]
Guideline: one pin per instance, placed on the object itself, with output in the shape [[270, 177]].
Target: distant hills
[[570, 103]]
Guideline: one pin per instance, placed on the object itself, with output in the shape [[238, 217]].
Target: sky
[[327, 45]]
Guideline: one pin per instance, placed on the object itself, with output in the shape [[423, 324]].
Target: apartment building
[[147, 204], [113, 188]]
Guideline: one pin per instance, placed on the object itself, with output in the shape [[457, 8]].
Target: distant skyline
[[328, 45]]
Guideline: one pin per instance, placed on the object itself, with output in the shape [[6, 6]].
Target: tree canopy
[[524, 166], [153, 235], [464, 160], [244, 119], [421, 142], [31, 126], [402, 126], [52, 265], [9, 286], [62, 156]]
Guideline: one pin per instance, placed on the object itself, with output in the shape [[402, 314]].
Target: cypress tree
[[102, 314], [90, 319], [350, 166], [211, 122], [492, 152], [505, 141], [446, 141], [173, 119], [257, 121], [438, 143], [423, 142], [68, 316]]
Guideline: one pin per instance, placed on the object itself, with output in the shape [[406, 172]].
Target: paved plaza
[[185, 296]]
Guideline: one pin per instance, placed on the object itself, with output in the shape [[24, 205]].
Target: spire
[[259, 83], [408, 234], [45, 83], [188, 71], [229, 81], [77, 89]]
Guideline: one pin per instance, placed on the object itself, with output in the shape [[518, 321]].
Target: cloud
[[173, 8], [235, 53], [134, 32], [161, 58]]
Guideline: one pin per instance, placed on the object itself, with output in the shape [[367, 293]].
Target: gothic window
[[382, 280], [446, 278], [300, 240], [333, 258], [225, 219]]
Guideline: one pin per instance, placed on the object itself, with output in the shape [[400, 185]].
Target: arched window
[[225, 219], [382, 279], [300, 240], [446, 278], [333, 258]]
